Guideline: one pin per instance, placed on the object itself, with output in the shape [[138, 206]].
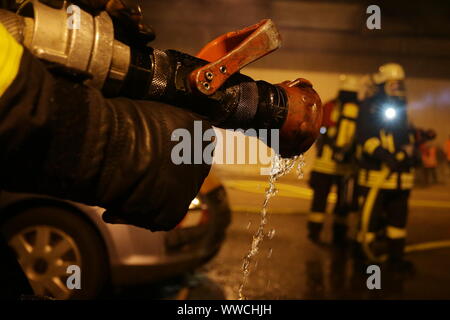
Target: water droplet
[[269, 255], [271, 234], [245, 265], [249, 224], [300, 165]]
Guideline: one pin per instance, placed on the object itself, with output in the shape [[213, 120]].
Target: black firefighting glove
[[64, 139], [141, 182], [126, 14], [342, 154], [388, 158]]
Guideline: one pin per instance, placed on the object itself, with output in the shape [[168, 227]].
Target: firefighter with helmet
[[385, 152], [333, 164]]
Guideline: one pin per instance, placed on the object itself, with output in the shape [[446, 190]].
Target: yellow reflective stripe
[[383, 139], [317, 217], [390, 141], [331, 132], [332, 168], [335, 114], [327, 165], [10, 56], [327, 152], [324, 163], [395, 233], [384, 142], [350, 110], [371, 144], [369, 237], [400, 156], [369, 180], [346, 133], [387, 141], [411, 138], [361, 200]]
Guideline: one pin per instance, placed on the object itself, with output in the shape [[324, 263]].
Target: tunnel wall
[[429, 107]]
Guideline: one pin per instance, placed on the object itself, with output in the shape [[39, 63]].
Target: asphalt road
[[290, 267]]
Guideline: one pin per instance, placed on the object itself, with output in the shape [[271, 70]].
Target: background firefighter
[[333, 164], [386, 144]]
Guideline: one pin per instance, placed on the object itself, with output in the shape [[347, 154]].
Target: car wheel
[[47, 240]]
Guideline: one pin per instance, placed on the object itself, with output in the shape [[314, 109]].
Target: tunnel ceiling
[[317, 35]]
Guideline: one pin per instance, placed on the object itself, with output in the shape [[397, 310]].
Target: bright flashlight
[[390, 113]]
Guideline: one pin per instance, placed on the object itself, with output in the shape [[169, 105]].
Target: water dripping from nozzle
[[279, 168], [269, 254]]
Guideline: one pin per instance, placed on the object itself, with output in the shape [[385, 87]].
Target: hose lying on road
[[367, 213]]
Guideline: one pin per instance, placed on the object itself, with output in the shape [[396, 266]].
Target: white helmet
[[389, 71], [348, 83]]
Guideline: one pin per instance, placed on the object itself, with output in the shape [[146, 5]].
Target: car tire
[[71, 239]]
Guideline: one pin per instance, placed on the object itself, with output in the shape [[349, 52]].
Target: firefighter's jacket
[[335, 146], [393, 135]]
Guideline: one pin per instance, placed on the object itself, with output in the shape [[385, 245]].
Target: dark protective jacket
[[383, 143], [66, 140]]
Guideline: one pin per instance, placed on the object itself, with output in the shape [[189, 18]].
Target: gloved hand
[[406, 158], [388, 158], [339, 156], [343, 154], [64, 139], [126, 14], [141, 184]]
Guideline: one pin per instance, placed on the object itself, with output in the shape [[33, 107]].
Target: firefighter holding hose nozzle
[[88, 116], [102, 106]]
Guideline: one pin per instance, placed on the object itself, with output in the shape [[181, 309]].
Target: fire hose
[[209, 84], [365, 221], [367, 213]]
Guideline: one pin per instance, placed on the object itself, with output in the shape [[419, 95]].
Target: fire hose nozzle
[[209, 84], [302, 124], [234, 50]]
